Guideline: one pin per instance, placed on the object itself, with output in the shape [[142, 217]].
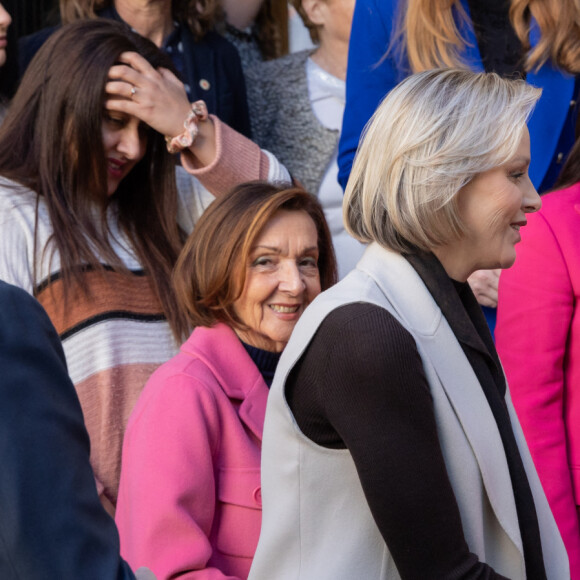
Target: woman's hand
[[155, 96], [484, 284]]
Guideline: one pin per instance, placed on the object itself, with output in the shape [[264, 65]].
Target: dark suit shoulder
[[21, 314], [48, 499]]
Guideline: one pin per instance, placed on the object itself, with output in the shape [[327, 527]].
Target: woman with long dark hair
[[92, 217]]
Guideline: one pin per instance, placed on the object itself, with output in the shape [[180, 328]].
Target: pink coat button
[[258, 495]]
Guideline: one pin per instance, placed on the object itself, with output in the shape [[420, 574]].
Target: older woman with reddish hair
[[190, 495]]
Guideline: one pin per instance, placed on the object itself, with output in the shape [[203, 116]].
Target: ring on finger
[[133, 91]]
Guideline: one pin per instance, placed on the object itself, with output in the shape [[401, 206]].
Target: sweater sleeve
[[237, 159], [537, 304], [370, 74], [372, 397]]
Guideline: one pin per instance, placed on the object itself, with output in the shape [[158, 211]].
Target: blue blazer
[[52, 524], [369, 79]]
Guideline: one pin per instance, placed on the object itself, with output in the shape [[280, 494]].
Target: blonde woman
[[391, 450], [534, 39], [537, 39]]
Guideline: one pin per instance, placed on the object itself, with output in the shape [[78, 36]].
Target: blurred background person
[[538, 330], [296, 109], [539, 41], [208, 65], [257, 28], [391, 449], [531, 39], [189, 500], [92, 227]]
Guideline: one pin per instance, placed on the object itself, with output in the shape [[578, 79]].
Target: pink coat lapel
[[221, 350]]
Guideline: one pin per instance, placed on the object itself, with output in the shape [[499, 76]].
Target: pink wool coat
[[538, 340], [190, 501]]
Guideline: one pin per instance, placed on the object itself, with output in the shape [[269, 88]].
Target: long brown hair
[[427, 34], [559, 23], [210, 273], [272, 28], [51, 143], [199, 15]]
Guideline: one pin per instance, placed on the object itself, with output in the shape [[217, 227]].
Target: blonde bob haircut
[[430, 136]]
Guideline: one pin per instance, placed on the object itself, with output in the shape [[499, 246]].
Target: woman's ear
[[314, 11]]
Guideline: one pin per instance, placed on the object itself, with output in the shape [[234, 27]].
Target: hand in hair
[[484, 284], [158, 98]]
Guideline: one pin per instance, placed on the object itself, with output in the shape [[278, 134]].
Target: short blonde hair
[[430, 136]]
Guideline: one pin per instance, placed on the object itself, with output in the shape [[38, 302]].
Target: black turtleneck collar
[[265, 360]]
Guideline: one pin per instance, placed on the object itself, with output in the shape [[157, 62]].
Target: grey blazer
[[283, 121], [316, 521]]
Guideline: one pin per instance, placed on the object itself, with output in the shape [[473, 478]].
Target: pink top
[[189, 502], [538, 340], [237, 159]]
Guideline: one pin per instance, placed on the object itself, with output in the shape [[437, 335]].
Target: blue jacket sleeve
[[370, 76], [52, 524]]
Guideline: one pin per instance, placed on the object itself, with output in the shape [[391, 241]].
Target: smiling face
[[125, 143], [5, 21], [282, 278], [493, 208]]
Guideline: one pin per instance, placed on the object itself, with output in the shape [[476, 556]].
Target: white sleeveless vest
[[316, 522]]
